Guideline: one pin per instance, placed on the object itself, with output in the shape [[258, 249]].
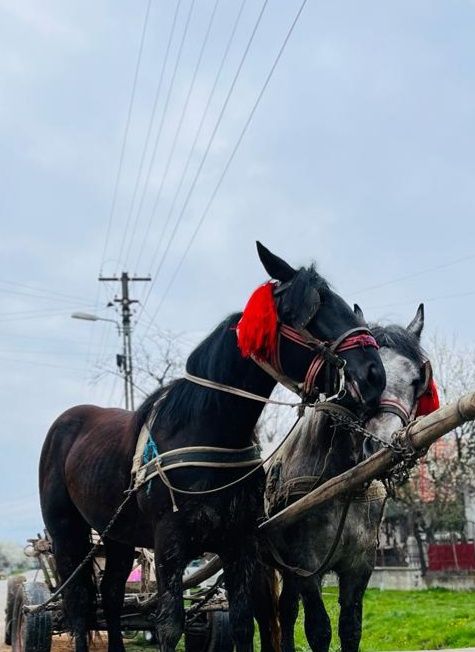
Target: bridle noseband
[[394, 405], [327, 352]]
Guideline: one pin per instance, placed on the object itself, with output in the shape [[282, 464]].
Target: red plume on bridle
[[257, 328], [429, 401]]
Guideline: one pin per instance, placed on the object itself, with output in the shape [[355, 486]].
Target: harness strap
[[138, 479], [212, 384], [321, 568], [394, 406], [326, 352]]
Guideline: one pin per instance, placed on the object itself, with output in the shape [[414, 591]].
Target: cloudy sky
[[359, 156]]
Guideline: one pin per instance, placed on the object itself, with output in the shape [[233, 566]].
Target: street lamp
[[87, 316], [123, 362]]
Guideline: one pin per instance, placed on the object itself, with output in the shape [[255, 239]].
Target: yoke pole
[[421, 433]]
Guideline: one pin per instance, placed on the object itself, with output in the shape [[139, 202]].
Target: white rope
[[211, 384]]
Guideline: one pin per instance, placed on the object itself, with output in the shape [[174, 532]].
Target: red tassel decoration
[[429, 401], [257, 328]]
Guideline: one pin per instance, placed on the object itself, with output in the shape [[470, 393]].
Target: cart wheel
[[31, 632], [210, 632], [13, 585]]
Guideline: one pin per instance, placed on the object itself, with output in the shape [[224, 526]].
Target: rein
[[212, 384], [327, 352]]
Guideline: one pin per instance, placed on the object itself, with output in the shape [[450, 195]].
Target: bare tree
[[162, 361], [276, 420], [435, 497]]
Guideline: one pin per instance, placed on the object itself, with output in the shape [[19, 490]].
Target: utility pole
[[124, 361]]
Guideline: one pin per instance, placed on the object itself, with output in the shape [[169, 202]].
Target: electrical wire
[[151, 123], [207, 149], [415, 274], [231, 157], [412, 301], [179, 126], [192, 149], [126, 134], [164, 114], [42, 291]]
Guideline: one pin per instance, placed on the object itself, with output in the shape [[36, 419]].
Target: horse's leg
[[71, 543], [352, 587], [239, 568], [317, 623], [119, 560], [265, 598], [170, 563], [288, 611]]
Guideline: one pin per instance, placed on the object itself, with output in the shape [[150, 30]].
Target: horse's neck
[[316, 450], [202, 416]]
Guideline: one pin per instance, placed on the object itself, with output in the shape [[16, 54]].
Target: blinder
[[307, 309]]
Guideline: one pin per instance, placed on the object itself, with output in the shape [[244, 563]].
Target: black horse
[[342, 534], [87, 456]]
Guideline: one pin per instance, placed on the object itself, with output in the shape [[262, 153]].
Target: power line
[[43, 291], [41, 364], [195, 141], [151, 122], [178, 129], [165, 111], [44, 297], [231, 157], [436, 298], [27, 315], [208, 147], [415, 274], [126, 133]]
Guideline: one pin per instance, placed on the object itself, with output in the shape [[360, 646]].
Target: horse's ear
[[275, 266], [359, 313], [417, 324]]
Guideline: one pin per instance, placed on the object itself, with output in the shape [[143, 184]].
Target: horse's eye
[[416, 382]]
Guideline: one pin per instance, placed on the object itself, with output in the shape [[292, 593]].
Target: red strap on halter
[[355, 341], [346, 342], [393, 405]]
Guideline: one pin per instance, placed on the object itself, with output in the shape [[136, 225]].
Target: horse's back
[[86, 458], [82, 422]]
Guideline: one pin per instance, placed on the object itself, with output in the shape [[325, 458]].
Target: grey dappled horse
[[340, 535]]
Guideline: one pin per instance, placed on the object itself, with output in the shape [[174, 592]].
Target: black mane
[[402, 341], [180, 401], [180, 396]]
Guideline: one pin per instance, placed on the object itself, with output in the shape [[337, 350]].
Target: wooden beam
[[421, 433]]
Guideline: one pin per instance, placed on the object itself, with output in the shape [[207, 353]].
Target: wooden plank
[[421, 433], [201, 574]]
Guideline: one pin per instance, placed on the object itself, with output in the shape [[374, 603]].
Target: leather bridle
[[326, 353], [394, 405]]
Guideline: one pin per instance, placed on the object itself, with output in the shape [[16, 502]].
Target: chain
[[92, 552], [193, 612], [400, 445]]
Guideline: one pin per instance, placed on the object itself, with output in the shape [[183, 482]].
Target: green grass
[[407, 620], [402, 620]]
